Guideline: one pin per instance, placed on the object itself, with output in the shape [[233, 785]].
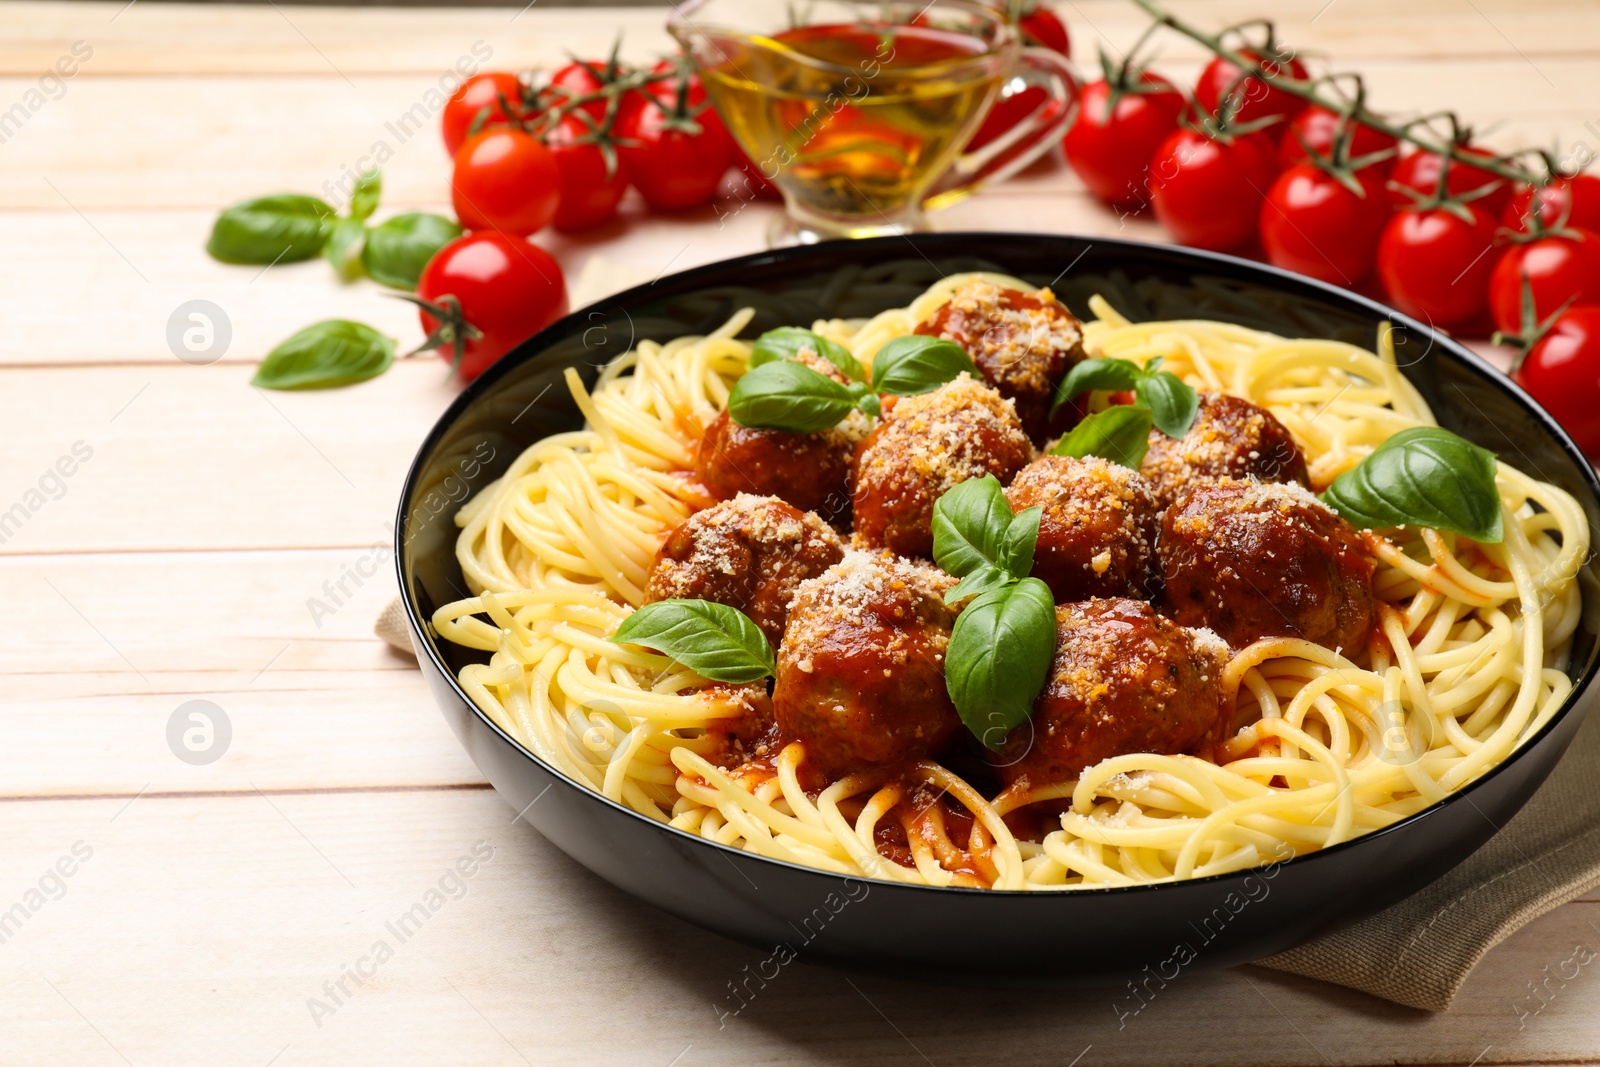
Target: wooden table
[[207, 904]]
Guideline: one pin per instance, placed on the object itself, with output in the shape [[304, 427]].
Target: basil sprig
[[999, 658], [1120, 433], [1423, 476], [334, 352], [713, 640], [976, 537], [397, 249], [1004, 641], [785, 395], [344, 245], [271, 229], [290, 227], [778, 393], [786, 342], [1173, 403]]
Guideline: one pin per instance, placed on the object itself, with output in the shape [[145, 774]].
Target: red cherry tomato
[[505, 288], [477, 93], [1312, 224], [1562, 372], [1435, 266], [1111, 148], [1420, 171], [1259, 100], [589, 195], [672, 168], [1315, 128], [578, 78], [1577, 196], [1208, 193], [505, 180], [1042, 27], [1558, 269]]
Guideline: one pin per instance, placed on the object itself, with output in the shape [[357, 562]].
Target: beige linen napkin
[[1419, 951]]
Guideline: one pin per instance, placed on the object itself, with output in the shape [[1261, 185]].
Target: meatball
[[1232, 438], [861, 668], [1124, 680], [744, 731], [1023, 343], [1097, 534], [1256, 559], [750, 553], [809, 470], [923, 446]]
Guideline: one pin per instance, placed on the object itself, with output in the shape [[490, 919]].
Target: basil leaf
[[711, 639], [786, 341], [398, 249], [985, 579], [785, 395], [1017, 544], [999, 658], [364, 198], [917, 363], [1109, 375], [1173, 403], [969, 522], [1423, 476], [335, 352], [271, 229], [1120, 433], [343, 249]]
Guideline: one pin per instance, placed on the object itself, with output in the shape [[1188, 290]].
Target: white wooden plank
[[167, 38], [199, 928]]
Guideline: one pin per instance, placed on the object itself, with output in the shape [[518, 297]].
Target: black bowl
[[1093, 935]]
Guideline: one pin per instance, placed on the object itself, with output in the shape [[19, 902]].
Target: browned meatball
[[1124, 680], [744, 730], [1024, 343], [809, 470], [750, 553], [1256, 559], [923, 446], [1231, 437], [1097, 533], [861, 669]]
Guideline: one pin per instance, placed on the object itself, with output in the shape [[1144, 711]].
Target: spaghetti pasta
[[1322, 748]]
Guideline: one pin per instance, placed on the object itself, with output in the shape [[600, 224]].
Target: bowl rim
[[710, 273]]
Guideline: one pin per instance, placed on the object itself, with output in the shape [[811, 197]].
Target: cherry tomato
[[1111, 148], [476, 93], [1420, 171], [672, 168], [1435, 266], [1581, 192], [589, 195], [503, 287], [1312, 224], [1315, 128], [1042, 27], [579, 79], [1562, 372], [1260, 100], [1557, 268], [505, 180], [1207, 193]]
